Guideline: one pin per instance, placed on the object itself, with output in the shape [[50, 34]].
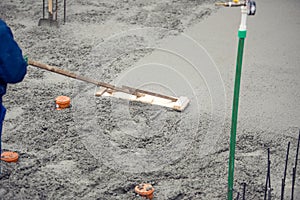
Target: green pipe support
[[237, 82]]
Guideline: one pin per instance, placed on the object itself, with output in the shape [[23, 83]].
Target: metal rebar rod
[[269, 193], [65, 8], [297, 151], [295, 168], [268, 175], [266, 185], [237, 196], [269, 180], [43, 9], [293, 183], [286, 160], [282, 189], [269, 167], [56, 10], [285, 169], [244, 191]]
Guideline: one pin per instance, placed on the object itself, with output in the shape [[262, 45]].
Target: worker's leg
[[1, 123], [2, 115]]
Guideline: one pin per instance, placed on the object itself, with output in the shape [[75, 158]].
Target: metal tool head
[[52, 15], [48, 22]]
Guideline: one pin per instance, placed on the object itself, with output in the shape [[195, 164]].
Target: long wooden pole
[[124, 89]]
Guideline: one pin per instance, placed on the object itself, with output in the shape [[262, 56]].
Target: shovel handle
[[50, 7]]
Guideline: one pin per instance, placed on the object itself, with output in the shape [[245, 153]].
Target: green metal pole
[[242, 36]]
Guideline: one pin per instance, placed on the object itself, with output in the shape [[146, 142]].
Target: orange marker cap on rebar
[[9, 156], [62, 102], [145, 190]]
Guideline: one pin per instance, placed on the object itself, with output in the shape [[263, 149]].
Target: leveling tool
[[124, 92], [248, 7]]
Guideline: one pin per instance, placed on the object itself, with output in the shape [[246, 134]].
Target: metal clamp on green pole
[[248, 8]]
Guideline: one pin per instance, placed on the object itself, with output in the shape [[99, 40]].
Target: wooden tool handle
[[68, 74], [125, 89], [50, 7]]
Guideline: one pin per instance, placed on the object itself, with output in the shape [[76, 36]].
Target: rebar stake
[[285, 169], [268, 179], [244, 191], [237, 196], [295, 168], [65, 11]]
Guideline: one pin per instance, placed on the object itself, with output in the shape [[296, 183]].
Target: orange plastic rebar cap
[[145, 190], [62, 102], [9, 156]]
